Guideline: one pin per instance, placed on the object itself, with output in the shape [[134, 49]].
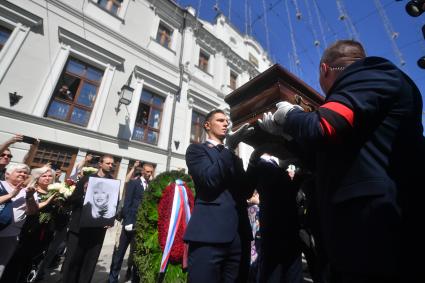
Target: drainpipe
[[177, 96]]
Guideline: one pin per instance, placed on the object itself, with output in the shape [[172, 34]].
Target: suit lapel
[[211, 151]]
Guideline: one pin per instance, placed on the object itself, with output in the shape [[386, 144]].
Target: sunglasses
[[6, 155]]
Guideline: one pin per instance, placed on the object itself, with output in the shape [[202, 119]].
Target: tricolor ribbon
[[180, 211]]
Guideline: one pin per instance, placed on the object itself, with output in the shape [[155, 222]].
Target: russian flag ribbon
[[180, 212]]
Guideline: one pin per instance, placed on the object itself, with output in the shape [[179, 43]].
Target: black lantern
[[421, 62], [126, 94], [415, 7]]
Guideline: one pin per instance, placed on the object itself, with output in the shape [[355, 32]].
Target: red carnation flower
[[164, 214], [69, 182]]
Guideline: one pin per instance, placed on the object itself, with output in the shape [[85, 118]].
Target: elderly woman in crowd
[[35, 235], [23, 204]]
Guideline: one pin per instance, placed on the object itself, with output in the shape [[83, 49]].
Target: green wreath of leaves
[[148, 253]]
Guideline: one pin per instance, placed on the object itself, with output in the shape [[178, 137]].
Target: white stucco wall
[[46, 33]]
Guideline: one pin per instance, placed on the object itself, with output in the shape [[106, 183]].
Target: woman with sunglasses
[[6, 155]]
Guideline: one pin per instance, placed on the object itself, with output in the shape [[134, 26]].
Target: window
[[197, 133], [62, 156], [203, 61], [163, 36], [75, 93], [253, 60], [112, 6], [233, 80], [4, 35], [148, 119]]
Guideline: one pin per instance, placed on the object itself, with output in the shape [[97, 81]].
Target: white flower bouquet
[[60, 191], [88, 170]]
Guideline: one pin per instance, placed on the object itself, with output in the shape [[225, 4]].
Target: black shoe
[[128, 274]]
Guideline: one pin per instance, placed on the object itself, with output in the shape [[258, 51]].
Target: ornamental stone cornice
[[156, 80], [201, 83], [87, 47], [167, 11], [18, 15]]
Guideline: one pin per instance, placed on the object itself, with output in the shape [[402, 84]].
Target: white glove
[[128, 227], [234, 138], [270, 126], [283, 108]]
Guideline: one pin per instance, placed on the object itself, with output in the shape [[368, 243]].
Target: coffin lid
[[276, 74]]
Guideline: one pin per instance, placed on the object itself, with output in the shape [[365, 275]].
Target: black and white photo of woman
[[100, 204]]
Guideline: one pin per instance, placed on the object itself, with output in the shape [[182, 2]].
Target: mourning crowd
[[41, 230], [334, 187]]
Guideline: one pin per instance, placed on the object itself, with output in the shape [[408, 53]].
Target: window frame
[[109, 5], [200, 134], [35, 149], [203, 64], [73, 104], [159, 38], [233, 80], [3, 28], [146, 128]]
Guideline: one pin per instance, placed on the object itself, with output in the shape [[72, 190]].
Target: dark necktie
[[219, 147]]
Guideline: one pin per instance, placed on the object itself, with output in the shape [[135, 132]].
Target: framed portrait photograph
[[100, 202]]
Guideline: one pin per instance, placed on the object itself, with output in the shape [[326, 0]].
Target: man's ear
[[207, 125], [324, 69]]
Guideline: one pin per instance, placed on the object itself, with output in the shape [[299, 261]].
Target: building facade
[[130, 78]]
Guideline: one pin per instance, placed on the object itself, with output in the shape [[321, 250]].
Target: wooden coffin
[[260, 95]]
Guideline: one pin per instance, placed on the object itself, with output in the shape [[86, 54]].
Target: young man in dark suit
[[369, 146], [218, 232], [84, 243], [132, 200]]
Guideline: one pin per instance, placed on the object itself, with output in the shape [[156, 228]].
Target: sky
[[268, 22]]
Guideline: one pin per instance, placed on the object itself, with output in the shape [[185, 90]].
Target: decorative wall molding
[[152, 79], [19, 15], [84, 46]]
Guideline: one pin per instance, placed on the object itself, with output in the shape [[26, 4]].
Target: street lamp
[[415, 7], [126, 94], [421, 62]]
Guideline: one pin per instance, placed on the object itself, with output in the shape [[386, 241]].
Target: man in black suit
[[132, 200], [218, 232], [280, 256], [84, 244], [369, 146]]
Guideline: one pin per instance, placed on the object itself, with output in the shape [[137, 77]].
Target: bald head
[[335, 58]]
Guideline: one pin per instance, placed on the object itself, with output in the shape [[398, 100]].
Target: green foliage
[[148, 253]]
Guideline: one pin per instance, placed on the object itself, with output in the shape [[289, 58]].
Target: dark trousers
[[289, 272], [125, 239], [214, 263], [83, 250], [52, 252], [363, 278], [132, 271]]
